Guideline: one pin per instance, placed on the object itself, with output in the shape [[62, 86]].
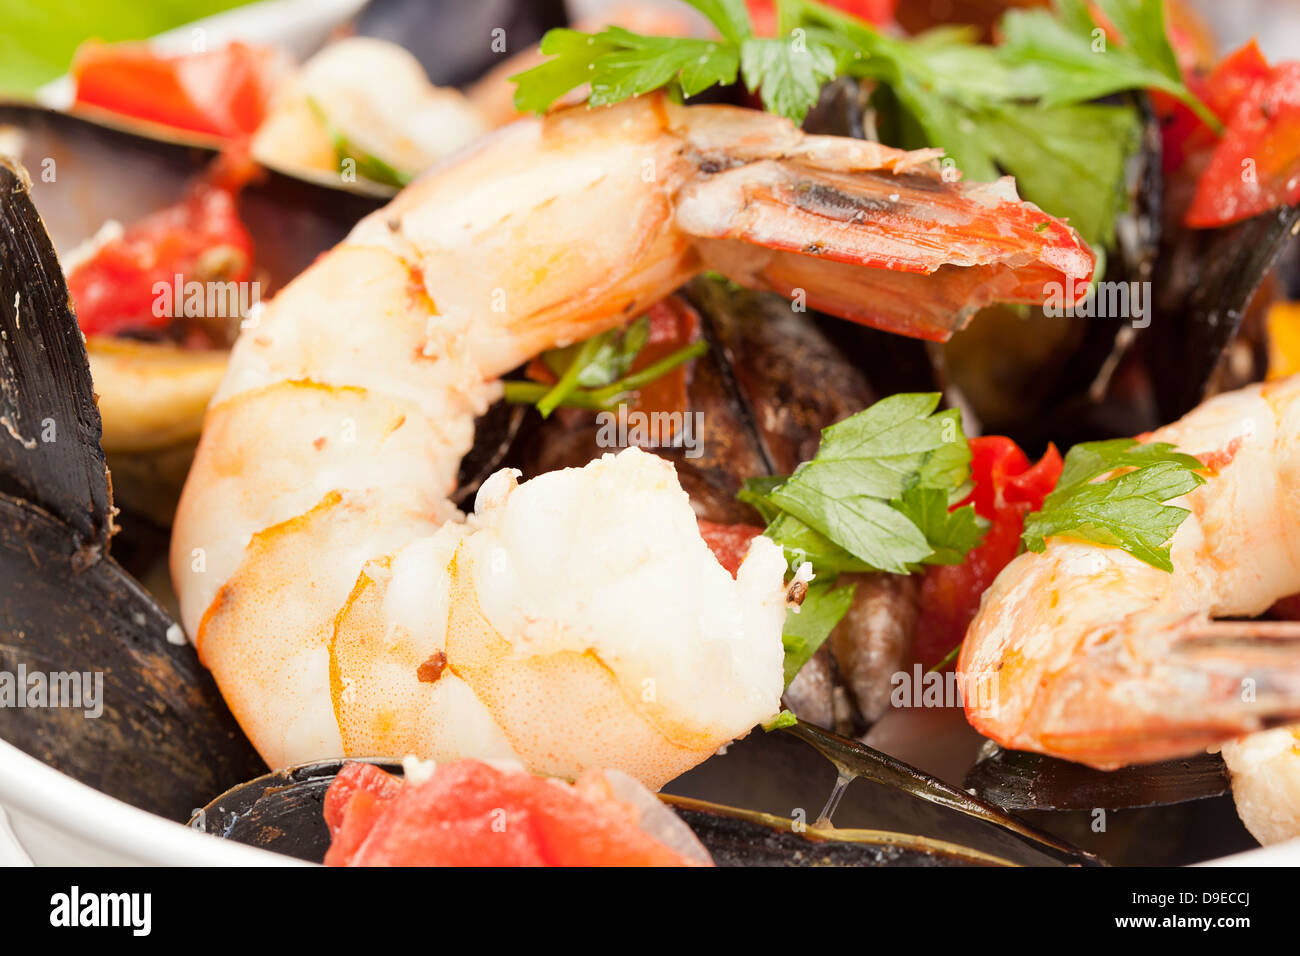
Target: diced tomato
[[200, 238], [354, 778], [1256, 164], [469, 813], [1006, 489], [222, 92], [728, 542], [1183, 134], [673, 326]]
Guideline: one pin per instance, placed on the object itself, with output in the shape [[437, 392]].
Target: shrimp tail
[[1255, 663], [1215, 680], [900, 247]]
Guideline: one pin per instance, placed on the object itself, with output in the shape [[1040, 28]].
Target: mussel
[[135, 713], [1208, 283], [1170, 813]]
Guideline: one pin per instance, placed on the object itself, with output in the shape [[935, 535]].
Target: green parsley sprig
[[875, 497], [1127, 509]]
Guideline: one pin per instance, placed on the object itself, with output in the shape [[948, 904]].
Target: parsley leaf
[[788, 75], [573, 62], [950, 534], [731, 17], [807, 628], [640, 64], [1126, 510], [611, 357], [1071, 60], [870, 499], [875, 497]]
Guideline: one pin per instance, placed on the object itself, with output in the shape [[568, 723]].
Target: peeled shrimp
[[576, 620], [1087, 653]]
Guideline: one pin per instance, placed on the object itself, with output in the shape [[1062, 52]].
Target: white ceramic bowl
[[49, 819], [46, 817]]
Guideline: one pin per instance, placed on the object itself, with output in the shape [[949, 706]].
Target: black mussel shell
[[495, 432], [895, 815], [1203, 290], [164, 740], [49, 423], [1015, 780], [281, 811], [1171, 813]]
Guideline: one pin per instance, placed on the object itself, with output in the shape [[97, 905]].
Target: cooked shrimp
[[576, 620], [1087, 653]]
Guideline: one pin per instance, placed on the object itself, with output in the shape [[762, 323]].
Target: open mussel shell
[[140, 719], [49, 423], [495, 433], [895, 815], [456, 41], [283, 812], [135, 714], [86, 173]]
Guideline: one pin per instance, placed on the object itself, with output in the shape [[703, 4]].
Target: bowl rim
[[35, 789]]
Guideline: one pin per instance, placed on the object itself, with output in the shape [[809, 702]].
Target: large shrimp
[[1086, 653], [577, 620]]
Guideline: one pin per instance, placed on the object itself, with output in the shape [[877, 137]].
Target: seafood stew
[[695, 433]]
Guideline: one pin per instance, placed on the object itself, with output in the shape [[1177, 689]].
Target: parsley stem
[[947, 659], [653, 371], [600, 399], [569, 380]]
